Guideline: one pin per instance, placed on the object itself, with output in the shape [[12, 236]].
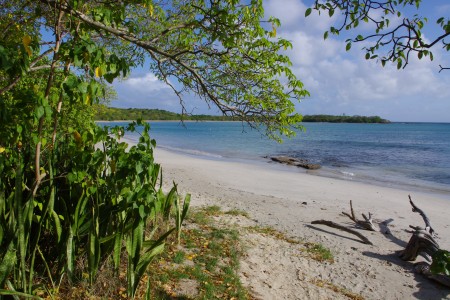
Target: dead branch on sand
[[424, 269], [422, 243], [426, 220], [366, 224], [343, 228]]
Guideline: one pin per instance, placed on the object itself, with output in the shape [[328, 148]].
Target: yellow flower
[[26, 40], [98, 72], [77, 136]]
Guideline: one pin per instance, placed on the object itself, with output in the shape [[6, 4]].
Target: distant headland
[[104, 113]]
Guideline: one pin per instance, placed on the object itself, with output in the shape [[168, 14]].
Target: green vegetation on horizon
[[104, 113], [344, 119]]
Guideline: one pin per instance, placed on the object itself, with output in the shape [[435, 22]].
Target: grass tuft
[[274, 233], [319, 252], [208, 255], [337, 289], [237, 212]]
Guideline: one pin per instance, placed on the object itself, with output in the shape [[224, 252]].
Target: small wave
[[192, 152], [347, 173]]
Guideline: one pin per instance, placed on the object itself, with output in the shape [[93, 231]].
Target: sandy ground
[[288, 200]]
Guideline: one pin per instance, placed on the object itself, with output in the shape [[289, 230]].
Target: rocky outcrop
[[303, 163]]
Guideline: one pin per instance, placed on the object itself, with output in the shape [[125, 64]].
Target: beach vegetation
[[75, 200], [319, 252], [179, 257], [391, 31], [337, 289], [237, 212], [441, 262], [270, 231], [98, 205], [211, 263]]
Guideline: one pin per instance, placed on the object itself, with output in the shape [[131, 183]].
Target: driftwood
[[420, 243], [424, 269], [366, 224], [343, 228], [426, 220]]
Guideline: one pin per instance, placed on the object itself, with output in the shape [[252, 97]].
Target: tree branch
[[366, 224], [424, 217], [343, 228]]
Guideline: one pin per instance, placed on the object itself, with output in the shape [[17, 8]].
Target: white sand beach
[[288, 201]]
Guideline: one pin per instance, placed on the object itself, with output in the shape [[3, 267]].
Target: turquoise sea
[[413, 156]]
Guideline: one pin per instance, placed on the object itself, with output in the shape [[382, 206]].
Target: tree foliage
[[64, 200], [396, 32], [220, 50]]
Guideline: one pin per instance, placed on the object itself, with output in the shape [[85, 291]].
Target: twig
[[343, 228], [424, 216], [366, 224]]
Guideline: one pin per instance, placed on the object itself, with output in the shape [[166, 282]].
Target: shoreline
[[289, 201], [366, 177], [353, 161]]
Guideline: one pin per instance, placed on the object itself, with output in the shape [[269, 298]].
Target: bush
[[96, 201]]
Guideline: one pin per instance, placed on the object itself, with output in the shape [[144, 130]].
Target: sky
[[339, 81]]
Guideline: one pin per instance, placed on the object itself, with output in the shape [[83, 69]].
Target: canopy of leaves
[[221, 51], [397, 28]]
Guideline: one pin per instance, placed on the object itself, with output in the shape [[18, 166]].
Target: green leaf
[[325, 35], [308, 12], [348, 47], [39, 112], [7, 262]]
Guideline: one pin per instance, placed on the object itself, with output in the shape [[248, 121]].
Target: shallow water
[[410, 155]]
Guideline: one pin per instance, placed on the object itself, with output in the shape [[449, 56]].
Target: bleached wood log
[[420, 243], [424, 216], [424, 269], [343, 228], [366, 224]]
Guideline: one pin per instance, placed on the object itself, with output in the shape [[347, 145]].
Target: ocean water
[[413, 156]]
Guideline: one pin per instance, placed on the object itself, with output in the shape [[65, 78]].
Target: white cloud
[[288, 11], [145, 90], [292, 16], [309, 49], [148, 82], [344, 82]]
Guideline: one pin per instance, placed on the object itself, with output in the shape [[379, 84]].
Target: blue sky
[[340, 82]]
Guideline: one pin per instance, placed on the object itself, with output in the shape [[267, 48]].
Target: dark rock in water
[[291, 161]]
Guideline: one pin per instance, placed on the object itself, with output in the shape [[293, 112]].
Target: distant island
[[104, 113], [344, 119]]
